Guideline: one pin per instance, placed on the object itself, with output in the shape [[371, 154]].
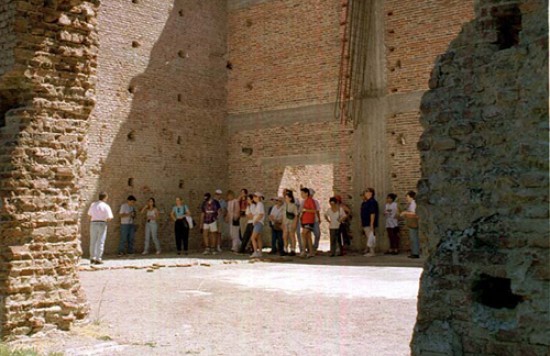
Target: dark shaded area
[[495, 292], [508, 25]]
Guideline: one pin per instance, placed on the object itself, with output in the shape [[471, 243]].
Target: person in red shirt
[[307, 218]]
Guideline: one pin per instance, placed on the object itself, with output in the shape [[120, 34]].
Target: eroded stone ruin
[[484, 188], [179, 97]]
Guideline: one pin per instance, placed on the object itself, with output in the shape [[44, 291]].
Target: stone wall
[[483, 196], [50, 94], [158, 127]]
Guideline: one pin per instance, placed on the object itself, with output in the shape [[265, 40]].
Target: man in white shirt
[[100, 213], [127, 228]]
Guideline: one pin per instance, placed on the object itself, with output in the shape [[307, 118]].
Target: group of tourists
[[294, 223]]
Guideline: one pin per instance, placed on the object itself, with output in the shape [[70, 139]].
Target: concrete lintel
[[394, 103], [241, 4], [273, 118], [300, 160], [405, 102]]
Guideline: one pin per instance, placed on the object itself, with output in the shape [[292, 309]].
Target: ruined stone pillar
[[483, 196], [47, 85]]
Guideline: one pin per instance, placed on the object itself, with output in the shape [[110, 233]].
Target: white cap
[[218, 191], [258, 194], [311, 191]]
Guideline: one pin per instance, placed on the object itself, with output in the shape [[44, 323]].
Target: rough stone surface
[[47, 91], [484, 188]]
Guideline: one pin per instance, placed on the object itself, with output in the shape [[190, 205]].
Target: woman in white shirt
[[258, 212], [392, 226], [335, 215], [151, 226], [249, 223]]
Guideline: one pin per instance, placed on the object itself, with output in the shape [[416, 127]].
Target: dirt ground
[[227, 305]]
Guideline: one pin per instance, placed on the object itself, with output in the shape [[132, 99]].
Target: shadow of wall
[[483, 197], [158, 127]]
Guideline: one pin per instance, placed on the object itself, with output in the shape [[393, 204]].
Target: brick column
[[47, 95]]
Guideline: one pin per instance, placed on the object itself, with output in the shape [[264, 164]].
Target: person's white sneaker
[[254, 254], [219, 249], [206, 251], [370, 254], [145, 253]]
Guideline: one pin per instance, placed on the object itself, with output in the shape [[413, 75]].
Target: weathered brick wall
[[159, 121], [7, 36], [416, 33], [51, 89], [272, 41], [284, 54], [279, 158], [484, 188]]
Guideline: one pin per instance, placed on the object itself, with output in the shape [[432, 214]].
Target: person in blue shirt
[[369, 220]]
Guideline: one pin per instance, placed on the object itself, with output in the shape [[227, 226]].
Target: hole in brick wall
[[182, 54], [180, 13], [247, 151], [179, 140], [398, 63], [180, 185], [249, 86], [394, 90], [135, 1], [180, 97], [392, 69], [393, 175], [131, 89], [131, 135], [229, 65], [130, 182], [392, 154], [391, 49], [495, 292], [508, 25], [249, 22], [52, 4], [8, 102], [393, 132], [135, 44], [390, 13], [391, 31]]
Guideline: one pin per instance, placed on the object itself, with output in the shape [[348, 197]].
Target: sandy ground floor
[[229, 305]]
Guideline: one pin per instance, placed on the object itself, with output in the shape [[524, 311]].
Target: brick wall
[[416, 32], [159, 120], [7, 37], [52, 88], [284, 54], [266, 44]]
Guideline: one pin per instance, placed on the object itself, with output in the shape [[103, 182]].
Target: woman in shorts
[[258, 212]]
